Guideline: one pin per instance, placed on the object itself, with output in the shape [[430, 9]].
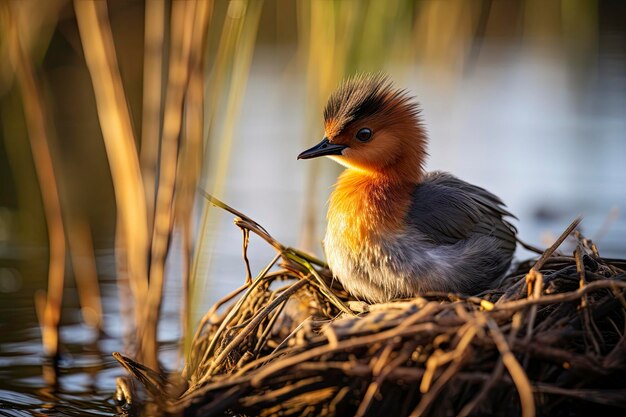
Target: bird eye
[[364, 134]]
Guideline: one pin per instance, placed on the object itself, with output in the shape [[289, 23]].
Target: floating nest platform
[[549, 340]]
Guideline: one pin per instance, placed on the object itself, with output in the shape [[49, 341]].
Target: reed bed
[[549, 340]]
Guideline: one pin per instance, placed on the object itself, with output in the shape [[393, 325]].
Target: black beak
[[321, 149]]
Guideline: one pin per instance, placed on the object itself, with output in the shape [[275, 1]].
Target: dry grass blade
[[232, 313], [515, 369], [496, 375], [151, 380], [548, 252], [219, 360]]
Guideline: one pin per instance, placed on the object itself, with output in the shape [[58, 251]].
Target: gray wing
[[446, 210]]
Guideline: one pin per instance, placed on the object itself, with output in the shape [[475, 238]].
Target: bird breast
[[364, 234], [364, 207]]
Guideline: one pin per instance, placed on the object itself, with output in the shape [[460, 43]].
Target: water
[[85, 380], [547, 140], [87, 371]]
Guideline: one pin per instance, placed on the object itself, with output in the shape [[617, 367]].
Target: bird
[[395, 231]]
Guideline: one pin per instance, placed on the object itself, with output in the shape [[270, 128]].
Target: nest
[[550, 340]]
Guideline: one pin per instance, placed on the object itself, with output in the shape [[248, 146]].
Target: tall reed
[[233, 58], [48, 304]]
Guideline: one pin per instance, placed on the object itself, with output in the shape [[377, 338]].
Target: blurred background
[[113, 114]]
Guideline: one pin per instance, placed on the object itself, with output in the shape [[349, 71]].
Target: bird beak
[[321, 149]]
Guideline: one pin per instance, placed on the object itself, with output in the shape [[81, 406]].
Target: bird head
[[371, 126]]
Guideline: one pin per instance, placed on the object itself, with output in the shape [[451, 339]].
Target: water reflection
[[32, 385]]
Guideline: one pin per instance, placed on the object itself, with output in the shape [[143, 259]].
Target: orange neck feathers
[[365, 205], [408, 166]]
